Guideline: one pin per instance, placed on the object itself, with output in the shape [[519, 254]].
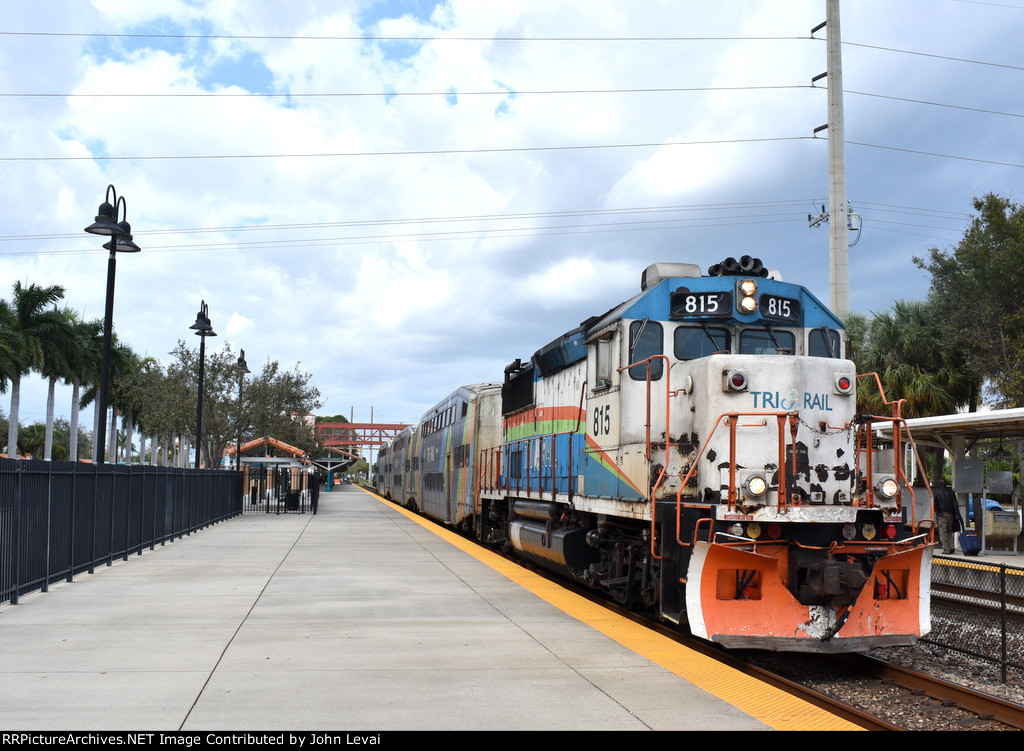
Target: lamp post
[[203, 329], [243, 368], [120, 234]]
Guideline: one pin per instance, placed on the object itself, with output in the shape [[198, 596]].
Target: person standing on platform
[[946, 515]]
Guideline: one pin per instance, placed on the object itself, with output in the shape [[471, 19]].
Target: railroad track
[[981, 704]]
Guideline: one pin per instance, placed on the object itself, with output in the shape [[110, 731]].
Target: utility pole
[[839, 248]]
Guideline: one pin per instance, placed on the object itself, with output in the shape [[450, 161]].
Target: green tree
[[914, 362], [125, 368], [274, 401], [977, 291], [27, 321], [85, 360], [58, 353], [907, 349], [123, 362], [277, 403]]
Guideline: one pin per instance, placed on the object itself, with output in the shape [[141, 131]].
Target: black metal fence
[[977, 609], [276, 490], [59, 519]]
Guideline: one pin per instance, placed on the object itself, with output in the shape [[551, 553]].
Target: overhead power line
[[453, 92], [935, 153], [419, 152], [373, 38], [933, 55], [530, 224], [468, 38], [934, 104], [491, 92], [496, 150], [629, 210]]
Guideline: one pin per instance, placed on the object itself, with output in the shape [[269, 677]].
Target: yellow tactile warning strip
[[770, 705]]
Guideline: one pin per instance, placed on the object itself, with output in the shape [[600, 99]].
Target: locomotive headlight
[[755, 485], [886, 487], [746, 295]]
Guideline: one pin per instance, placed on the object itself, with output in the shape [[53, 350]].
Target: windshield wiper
[[704, 328]]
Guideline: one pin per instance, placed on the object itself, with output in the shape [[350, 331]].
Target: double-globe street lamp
[[203, 329], [120, 234], [243, 368]]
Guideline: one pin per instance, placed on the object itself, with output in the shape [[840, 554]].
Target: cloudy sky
[[401, 197]]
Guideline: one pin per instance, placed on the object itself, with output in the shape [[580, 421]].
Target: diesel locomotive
[[694, 451]]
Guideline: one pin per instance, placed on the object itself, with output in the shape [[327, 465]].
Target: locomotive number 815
[[694, 451]]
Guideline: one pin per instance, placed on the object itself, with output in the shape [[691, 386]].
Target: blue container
[[969, 543]]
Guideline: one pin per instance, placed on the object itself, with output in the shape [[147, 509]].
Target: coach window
[[767, 342], [692, 342], [645, 340], [823, 342]]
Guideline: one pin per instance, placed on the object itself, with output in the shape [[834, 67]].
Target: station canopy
[[945, 430]]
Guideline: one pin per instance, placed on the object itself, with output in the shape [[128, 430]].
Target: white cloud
[[394, 278]]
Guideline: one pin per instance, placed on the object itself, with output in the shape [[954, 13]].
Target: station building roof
[[997, 423]]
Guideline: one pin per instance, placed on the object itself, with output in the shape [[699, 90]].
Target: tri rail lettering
[[792, 400]]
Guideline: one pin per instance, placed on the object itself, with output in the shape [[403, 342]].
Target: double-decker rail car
[[432, 467], [696, 451]]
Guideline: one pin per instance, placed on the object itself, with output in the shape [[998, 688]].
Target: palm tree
[[86, 359], [27, 320], [58, 353], [125, 370], [124, 365], [914, 362], [121, 358]]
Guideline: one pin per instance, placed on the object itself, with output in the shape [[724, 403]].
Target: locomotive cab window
[[767, 342], [645, 340], [692, 342], [823, 342], [603, 363]]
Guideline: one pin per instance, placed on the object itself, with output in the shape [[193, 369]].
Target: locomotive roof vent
[[745, 266], [658, 272]]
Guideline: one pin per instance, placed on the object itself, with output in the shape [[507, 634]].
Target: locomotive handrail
[[668, 401], [679, 495], [496, 451], [529, 441], [696, 530], [899, 424], [782, 417], [739, 541]]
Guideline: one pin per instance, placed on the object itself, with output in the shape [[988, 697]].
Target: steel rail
[[978, 702]]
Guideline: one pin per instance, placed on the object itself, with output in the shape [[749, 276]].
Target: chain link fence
[[977, 609]]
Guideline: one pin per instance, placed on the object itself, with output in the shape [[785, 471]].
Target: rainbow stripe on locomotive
[[695, 451]]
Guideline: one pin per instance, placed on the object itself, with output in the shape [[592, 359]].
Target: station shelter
[[277, 477]]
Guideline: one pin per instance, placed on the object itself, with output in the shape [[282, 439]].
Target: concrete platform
[[358, 618]]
